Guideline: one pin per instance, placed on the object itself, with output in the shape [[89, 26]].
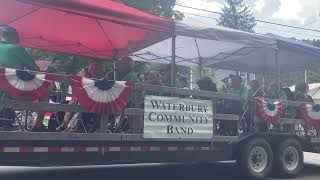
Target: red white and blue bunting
[[24, 85], [311, 114], [101, 96], [269, 112]]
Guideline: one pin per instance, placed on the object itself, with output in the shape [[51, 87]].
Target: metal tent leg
[[173, 62]]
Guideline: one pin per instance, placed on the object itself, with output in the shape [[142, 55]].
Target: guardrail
[[214, 96]]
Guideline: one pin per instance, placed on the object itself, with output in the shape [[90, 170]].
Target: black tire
[[255, 159], [288, 158]]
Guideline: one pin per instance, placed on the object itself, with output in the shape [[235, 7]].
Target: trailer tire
[[256, 159], [288, 158]]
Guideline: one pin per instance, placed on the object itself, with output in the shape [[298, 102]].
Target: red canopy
[[95, 28]]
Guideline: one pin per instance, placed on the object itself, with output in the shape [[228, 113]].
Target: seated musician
[[16, 57], [256, 89], [12, 55], [237, 88], [125, 72], [153, 78], [236, 107], [301, 93], [184, 83], [275, 92], [93, 71], [206, 84], [167, 76]]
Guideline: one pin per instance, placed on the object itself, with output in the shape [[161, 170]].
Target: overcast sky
[[302, 13]]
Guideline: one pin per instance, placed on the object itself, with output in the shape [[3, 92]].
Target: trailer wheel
[[289, 158], [256, 158]]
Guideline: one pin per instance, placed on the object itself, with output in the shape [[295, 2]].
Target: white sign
[[172, 117]]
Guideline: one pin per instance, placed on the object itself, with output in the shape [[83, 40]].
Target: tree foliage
[[62, 63], [237, 15], [163, 8]]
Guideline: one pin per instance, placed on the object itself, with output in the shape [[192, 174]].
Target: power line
[[201, 16], [285, 25], [307, 24], [312, 22], [257, 20], [198, 9], [257, 26], [288, 31]]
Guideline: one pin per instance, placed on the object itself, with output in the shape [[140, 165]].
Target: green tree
[[163, 8], [237, 15], [62, 63]]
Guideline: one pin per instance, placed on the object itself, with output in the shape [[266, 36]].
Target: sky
[[301, 13]]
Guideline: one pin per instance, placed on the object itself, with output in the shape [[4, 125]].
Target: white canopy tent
[[291, 55], [231, 49], [224, 48], [195, 44]]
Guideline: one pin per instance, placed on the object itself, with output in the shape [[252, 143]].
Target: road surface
[[219, 171]]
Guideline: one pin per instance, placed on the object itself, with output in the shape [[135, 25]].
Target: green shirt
[[243, 92], [135, 98], [16, 57], [275, 95], [131, 77]]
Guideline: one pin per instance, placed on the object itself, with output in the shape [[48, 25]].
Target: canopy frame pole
[[114, 70], [264, 82], [277, 71], [200, 66], [305, 76], [114, 57], [173, 62]]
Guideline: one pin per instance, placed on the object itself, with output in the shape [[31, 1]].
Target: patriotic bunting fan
[[311, 114], [101, 96], [269, 112], [24, 85]]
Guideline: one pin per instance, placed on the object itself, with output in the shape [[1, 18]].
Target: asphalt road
[[219, 171]]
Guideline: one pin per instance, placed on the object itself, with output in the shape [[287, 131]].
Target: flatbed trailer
[[255, 152]]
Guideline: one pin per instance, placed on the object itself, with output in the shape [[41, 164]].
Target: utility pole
[[305, 76]]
